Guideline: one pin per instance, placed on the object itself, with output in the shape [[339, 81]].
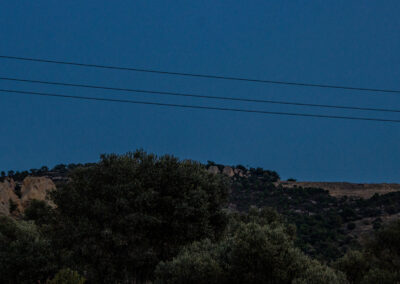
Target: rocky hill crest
[[15, 196]]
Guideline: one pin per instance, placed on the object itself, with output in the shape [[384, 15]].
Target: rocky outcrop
[[228, 171], [7, 195], [31, 188], [213, 170], [35, 188], [238, 172]]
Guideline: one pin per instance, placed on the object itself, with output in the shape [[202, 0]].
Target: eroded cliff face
[[7, 196], [30, 188], [35, 188]]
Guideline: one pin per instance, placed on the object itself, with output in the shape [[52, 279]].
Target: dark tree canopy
[[257, 249], [123, 215], [138, 218], [379, 262], [25, 256]]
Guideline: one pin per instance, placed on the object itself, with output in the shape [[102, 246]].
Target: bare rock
[[228, 171], [239, 172], [213, 170], [35, 188], [6, 194]]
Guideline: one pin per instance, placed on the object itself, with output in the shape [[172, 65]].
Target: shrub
[[12, 205], [67, 276]]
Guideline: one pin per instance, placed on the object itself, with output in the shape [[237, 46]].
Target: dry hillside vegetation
[[339, 189]]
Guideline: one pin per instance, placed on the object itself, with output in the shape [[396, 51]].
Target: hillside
[[330, 217], [339, 189]]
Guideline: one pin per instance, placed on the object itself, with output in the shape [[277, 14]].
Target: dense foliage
[[378, 262], [139, 218], [257, 249], [136, 210], [26, 256]]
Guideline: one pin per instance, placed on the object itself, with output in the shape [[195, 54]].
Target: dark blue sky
[[330, 42]]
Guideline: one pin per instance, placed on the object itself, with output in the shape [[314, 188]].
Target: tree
[[123, 215], [197, 263], [316, 273], [43, 170], [259, 251], [210, 163], [261, 254], [60, 168], [39, 212], [378, 262], [354, 264], [25, 256], [381, 276]]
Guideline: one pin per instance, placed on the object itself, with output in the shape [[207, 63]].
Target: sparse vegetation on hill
[[324, 223]]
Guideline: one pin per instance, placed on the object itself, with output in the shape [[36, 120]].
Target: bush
[[67, 276]]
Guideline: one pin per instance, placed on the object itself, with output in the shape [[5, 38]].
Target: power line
[[208, 76], [198, 96], [195, 107]]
